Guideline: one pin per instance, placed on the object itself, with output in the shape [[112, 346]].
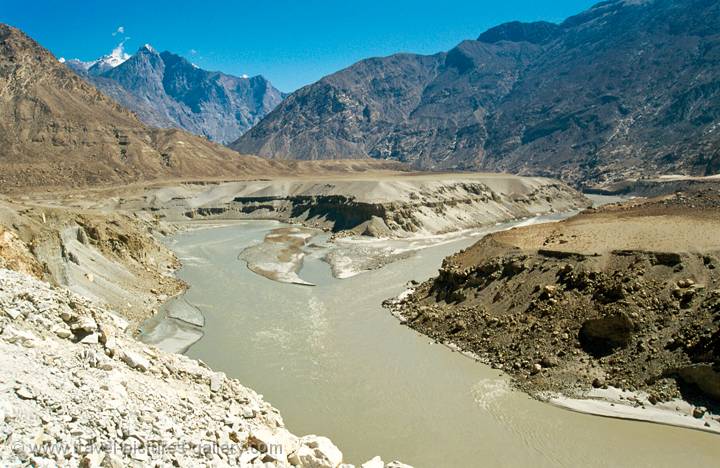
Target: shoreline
[[609, 403], [522, 301], [181, 336], [180, 341], [609, 406]]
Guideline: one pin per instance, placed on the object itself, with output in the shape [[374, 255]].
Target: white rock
[[13, 335], [119, 322], [7, 412], [92, 460], [397, 464], [92, 338], [13, 313], [266, 442], [216, 381], [111, 346], [374, 463], [316, 452], [135, 360], [84, 324], [62, 332], [25, 393]]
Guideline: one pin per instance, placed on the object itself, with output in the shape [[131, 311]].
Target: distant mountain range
[[625, 89], [56, 130], [167, 91]]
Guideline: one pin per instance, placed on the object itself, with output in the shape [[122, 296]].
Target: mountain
[[56, 130], [101, 65], [625, 89], [167, 91]]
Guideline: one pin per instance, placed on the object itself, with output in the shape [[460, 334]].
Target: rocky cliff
[[625, 89], [399, 206]]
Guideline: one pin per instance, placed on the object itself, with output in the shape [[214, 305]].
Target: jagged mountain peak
[[166, 90], [57, 130]]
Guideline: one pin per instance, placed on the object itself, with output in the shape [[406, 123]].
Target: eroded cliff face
[[112, 257], [398, 207], [624, 296]]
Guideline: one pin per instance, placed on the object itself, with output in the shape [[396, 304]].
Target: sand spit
[[279, 257], [637, 406]]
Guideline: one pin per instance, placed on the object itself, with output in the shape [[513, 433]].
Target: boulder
[[13, 313], [90, 338], [21, 337], [602, 336], [273, 444], [316, 452], [84, 325], [135, 361], [62, 332], [216, 381]]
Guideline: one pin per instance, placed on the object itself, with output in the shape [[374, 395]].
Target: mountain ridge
[[59, 131], [625, 89], [167, 91]]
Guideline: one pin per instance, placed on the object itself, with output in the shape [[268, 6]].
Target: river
[[335, 363]]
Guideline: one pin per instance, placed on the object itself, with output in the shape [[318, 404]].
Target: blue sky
[[292, 43]]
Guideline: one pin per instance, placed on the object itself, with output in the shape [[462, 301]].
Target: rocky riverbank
[[618, 305], [78, 390]]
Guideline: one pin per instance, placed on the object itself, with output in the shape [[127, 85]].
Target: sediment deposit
[[622, 297], [381, 206]]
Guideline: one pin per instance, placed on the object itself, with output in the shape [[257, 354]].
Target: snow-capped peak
[[103, 64], [149, 48], [114, 58]]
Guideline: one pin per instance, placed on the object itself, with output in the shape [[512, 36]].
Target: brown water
[[334, 362]]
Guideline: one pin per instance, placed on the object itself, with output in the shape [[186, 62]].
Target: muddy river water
[[335, 363]]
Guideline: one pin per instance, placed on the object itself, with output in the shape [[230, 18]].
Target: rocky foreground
[[624, 298], [76, 389]]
